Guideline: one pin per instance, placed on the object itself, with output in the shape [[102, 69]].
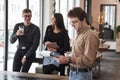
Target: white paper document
[[45, 53]]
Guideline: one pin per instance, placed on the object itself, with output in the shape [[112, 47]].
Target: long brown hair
[[59, 21]]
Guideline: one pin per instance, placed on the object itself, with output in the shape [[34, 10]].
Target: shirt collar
[[83, 29]]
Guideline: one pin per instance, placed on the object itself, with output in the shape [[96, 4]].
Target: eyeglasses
[[27, 16], [73, 22]]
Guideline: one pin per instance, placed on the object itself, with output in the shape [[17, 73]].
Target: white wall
[[48, 11]]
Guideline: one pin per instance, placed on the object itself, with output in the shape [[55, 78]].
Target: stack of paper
[[45, 53]]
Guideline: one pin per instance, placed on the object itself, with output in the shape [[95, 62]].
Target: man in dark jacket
[[28, 36]]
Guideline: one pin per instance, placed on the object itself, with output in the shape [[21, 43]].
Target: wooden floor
[[110, 66]]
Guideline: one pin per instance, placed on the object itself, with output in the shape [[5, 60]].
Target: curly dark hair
[[26, 11], [77, 12]]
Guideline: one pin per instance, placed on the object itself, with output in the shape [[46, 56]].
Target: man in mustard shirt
[[84, 47]]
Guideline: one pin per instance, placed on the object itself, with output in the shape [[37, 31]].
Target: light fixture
[[101, 18]]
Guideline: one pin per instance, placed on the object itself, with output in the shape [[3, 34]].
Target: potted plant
[[117, 37], [117, 31]]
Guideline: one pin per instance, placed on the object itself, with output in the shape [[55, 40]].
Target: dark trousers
[[17, 64], [48, 69]]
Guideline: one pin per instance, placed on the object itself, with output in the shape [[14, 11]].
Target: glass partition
[[63, 7], [109, 13], [34, 5], [15, 8]]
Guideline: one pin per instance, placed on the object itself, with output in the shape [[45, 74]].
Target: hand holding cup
[[20, 31]]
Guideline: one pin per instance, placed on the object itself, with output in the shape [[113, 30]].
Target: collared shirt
[[85, 48]]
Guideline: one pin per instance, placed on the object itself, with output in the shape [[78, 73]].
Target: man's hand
[[23, 60], [19, 33], [62, 59]]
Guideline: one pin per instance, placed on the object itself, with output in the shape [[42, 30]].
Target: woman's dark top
[[61, 38]]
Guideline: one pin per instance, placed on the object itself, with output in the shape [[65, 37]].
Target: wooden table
[[6, 75], [104, 47]]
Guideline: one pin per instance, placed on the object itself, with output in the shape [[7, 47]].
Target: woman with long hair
[[56, 39]]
